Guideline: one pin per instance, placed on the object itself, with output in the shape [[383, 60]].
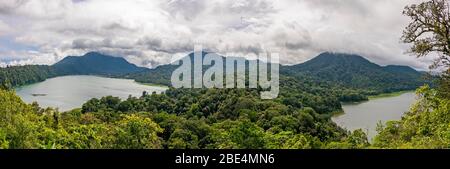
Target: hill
[[161, 74], [94, 63], [22, 75], [354, 71]]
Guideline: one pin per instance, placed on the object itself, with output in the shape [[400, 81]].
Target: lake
[[366, 115], [69, 92]]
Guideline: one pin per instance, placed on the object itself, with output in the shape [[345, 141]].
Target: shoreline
[[373, 97], [152, 84], [392, 94]]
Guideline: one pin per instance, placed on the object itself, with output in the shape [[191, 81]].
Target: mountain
[[354, 71], [94, 63], [404, 70], [160, 74], [333, 69]]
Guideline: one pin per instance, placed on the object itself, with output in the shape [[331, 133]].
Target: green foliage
[[5, 84], [241, 134], [444, 85], [22, 75], [180, 118], [426, 125], [183, 139], [355, 76], [135, 132], [428, 31], [90, 64], [290, 140], [17, 122]]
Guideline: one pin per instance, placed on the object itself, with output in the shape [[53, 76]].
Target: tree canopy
[[429, 31]]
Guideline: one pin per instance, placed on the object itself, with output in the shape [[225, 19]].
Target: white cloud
[[4, 28], [149, 32]]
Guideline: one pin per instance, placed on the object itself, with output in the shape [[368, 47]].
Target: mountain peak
[[357, 72], [93, 53], [100, 55], [329, 59], [340, 56], [97, 64]]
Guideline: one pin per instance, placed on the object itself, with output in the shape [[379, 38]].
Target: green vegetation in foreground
[[391, 94], [179, 118], [210, 118], [426, 125]]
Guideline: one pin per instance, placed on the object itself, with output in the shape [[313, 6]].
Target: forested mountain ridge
[[161, 74], [405, 70], [22, 75], [338, 70], [356, 72], [94, 63]]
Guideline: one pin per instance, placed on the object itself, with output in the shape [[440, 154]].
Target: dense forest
[[22, 75], [427, 124], [356, 72], [180, 118]]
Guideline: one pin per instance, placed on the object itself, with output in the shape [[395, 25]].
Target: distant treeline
[[12, 76]]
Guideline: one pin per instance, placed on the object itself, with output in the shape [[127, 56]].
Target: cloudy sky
[[148, 33]]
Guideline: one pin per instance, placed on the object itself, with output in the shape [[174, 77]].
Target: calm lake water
[[366, 115], [68, 92]]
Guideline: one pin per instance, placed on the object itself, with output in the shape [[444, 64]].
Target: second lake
[[366, 115]]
